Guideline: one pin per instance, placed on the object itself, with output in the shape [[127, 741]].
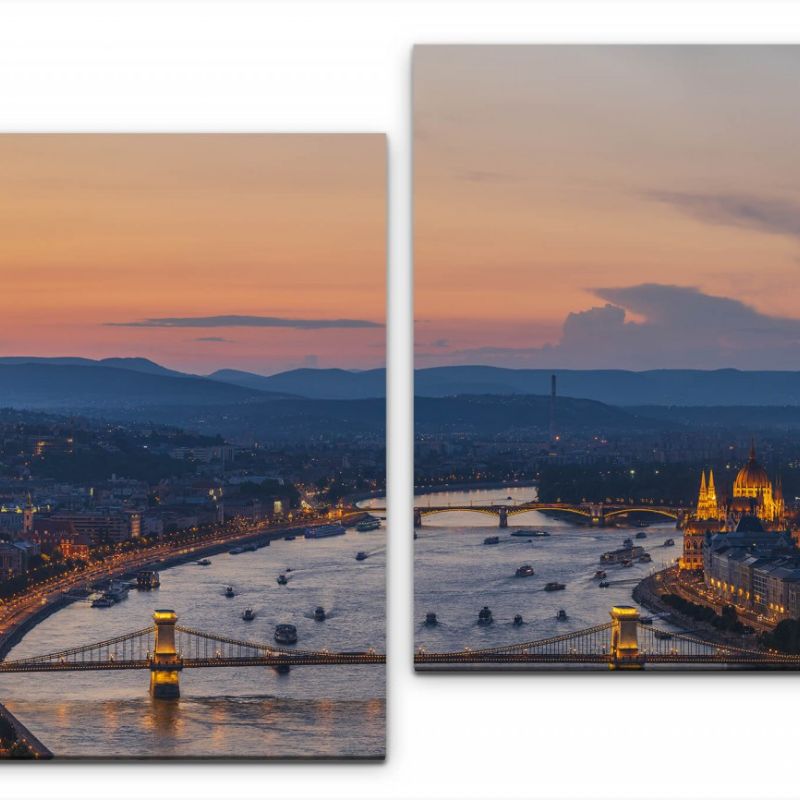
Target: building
[[754, 569], [753, 495], [12, 561], [101, 527]]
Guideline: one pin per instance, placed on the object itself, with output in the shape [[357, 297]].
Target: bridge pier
[[625, 639], [503, 514], [597, 515], [165, 663], [417, 518]]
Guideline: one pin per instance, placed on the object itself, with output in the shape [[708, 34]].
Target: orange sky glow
[[97, 231], [552, 181]]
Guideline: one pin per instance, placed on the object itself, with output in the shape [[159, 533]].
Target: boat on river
[[525, 571], [285, 634], [622, 555], [248, 615]]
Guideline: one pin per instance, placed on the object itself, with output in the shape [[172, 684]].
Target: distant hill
[[665, 387], [493, 414], [328, 384], [66, 386], [133, 364]]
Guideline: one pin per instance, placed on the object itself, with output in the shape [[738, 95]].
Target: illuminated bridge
[[594, 513], [166, 648], [624, 643]]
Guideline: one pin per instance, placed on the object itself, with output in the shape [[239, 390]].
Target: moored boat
[[492, 540], [147, 579], [324, 531], [554, 586]]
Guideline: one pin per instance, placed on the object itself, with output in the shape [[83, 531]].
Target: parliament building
[[754, 496]]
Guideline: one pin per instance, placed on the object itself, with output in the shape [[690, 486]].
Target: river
[[456, 574], [325, 711]]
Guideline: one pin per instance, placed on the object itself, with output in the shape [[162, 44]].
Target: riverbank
[[30, 746], [476, 486], [184, 554], [648, 594]]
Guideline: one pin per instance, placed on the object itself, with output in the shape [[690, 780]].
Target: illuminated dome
[[752, 478]]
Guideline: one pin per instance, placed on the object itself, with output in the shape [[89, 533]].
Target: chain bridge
[[166, 649], [623, 643]]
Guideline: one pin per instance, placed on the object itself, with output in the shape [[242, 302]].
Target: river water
[[323, 711], [456, 574]]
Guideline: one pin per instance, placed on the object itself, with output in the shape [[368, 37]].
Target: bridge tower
[[417, 518], [165, 663], [625, 638], [598, 517], [503, 512]]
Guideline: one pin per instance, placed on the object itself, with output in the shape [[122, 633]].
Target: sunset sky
[[257, 252], [618, 206]]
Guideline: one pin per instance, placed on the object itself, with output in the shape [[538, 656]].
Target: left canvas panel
[[185, 569]]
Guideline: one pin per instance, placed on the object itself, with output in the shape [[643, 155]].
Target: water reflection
[[254, 711], [456, 574]]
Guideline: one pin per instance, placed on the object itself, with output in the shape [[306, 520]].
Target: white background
[[338, 66]]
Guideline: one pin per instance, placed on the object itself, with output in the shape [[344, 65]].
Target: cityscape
[[181, 545], [606, 367]]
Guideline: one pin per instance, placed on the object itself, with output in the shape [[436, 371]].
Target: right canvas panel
[[607, 411]]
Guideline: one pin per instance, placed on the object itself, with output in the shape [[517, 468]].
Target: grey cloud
[[682, 328], [212, 339], [767, 214], [243, 321]]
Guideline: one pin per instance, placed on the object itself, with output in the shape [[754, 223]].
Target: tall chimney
[[553, 407]]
